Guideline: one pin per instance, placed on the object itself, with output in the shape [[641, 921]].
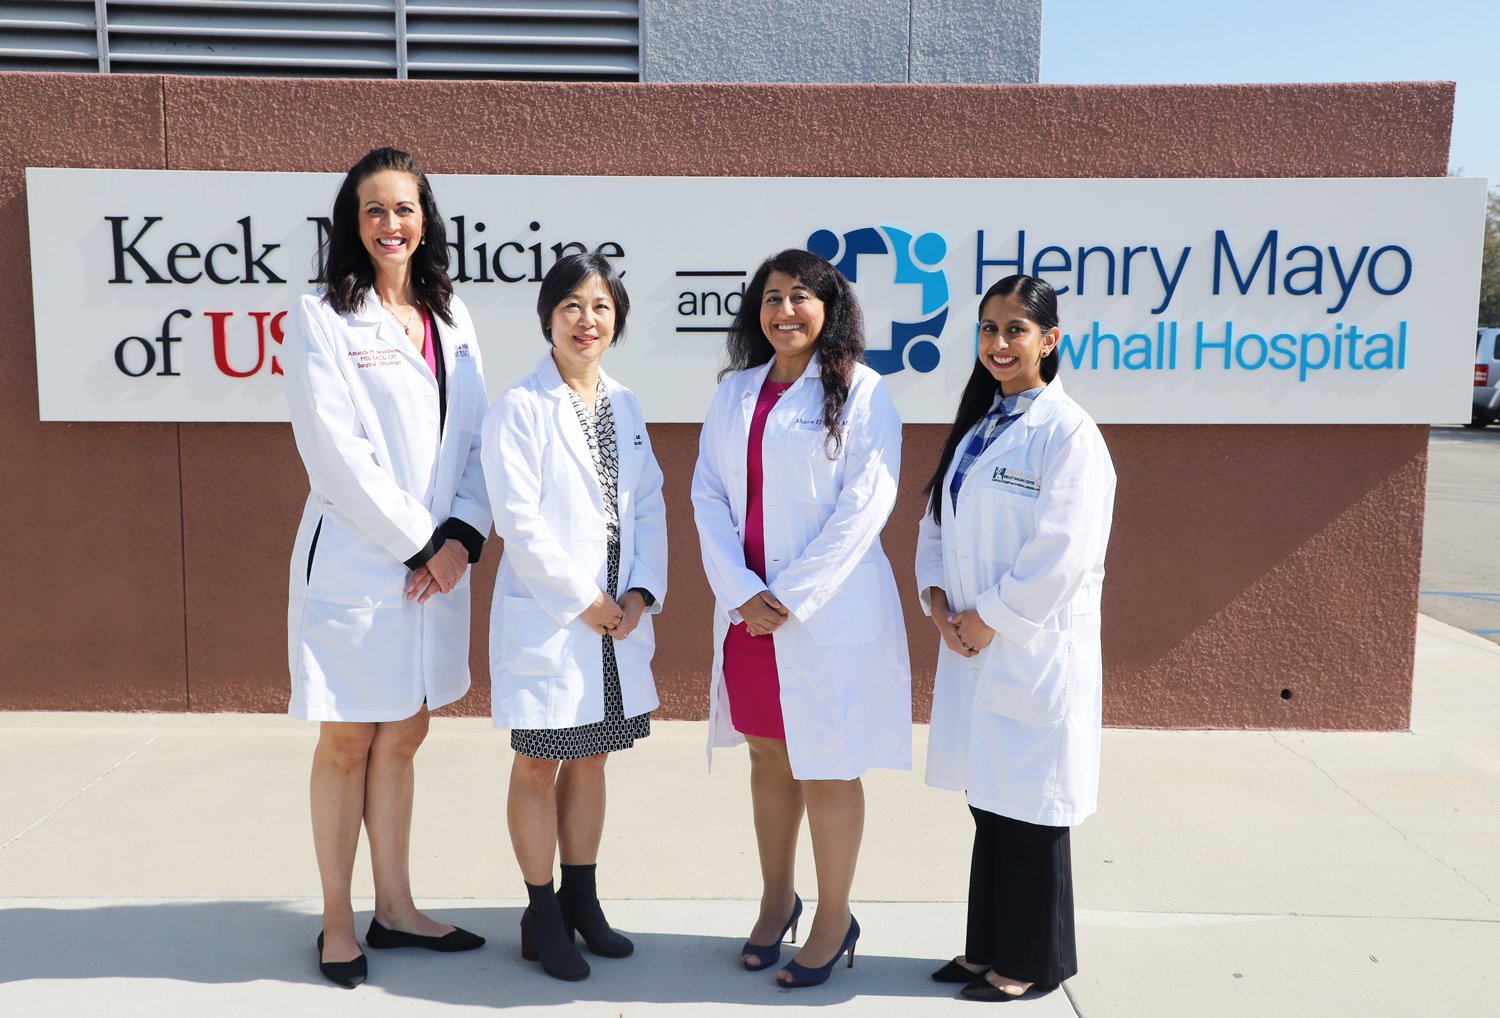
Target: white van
[[1486, 378]]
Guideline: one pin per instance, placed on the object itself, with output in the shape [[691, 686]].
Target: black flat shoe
[[379, 936], [347, 974], [983, 989], [953, 972]]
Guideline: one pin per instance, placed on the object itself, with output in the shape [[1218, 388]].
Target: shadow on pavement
[[221, 942]]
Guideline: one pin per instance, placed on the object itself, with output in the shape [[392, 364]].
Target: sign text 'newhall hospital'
[[161, 295]]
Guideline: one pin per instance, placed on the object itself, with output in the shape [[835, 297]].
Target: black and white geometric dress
[[616, 731]]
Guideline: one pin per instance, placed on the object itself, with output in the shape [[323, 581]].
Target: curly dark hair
[[1040, 301], [840, 345], [347, 266]]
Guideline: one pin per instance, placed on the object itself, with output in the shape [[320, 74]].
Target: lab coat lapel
[[389, 333], [568, 426], [1020, 431]]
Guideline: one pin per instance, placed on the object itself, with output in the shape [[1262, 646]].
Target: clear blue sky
[[1172, 41]]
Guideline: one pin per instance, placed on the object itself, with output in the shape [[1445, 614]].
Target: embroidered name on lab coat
[[462, 351], [1017, 481], [638, 442], [384, 357]]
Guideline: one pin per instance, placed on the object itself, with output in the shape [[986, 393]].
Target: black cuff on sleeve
[[465, 535], [434, 542], [646, 595]]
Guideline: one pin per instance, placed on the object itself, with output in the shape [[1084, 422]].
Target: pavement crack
[[62, 805], [1383, 819]]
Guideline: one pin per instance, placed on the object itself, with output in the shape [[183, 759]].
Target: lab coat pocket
[[1032, 684], [810, 475], [531, 643], [346, 568], [853, 614]]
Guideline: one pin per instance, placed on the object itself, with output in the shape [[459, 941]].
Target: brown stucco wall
[[148, 562]]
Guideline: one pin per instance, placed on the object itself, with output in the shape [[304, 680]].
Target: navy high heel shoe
[[770, 955], [803, 976]]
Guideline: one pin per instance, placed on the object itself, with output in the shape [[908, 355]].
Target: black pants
[[1021, 900]]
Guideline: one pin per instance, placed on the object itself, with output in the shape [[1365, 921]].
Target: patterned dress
[[616, 731]]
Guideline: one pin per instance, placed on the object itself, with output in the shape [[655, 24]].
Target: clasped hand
[[965, 633], [439, 574], [763, 614], [617, 619]]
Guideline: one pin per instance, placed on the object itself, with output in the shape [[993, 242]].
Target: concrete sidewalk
[[162, 864]]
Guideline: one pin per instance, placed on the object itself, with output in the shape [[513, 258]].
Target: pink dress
[[429, 348], [750, 661]]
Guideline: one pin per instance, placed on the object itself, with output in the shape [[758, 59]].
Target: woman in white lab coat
[[796, 476], [1010, 562], [386, 396], [577, 498]]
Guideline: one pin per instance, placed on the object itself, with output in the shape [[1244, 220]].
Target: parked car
[[1486, 378]]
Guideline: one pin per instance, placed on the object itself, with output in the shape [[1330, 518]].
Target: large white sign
[[160, 295]]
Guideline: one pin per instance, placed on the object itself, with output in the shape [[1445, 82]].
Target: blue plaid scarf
[[1006, 410]]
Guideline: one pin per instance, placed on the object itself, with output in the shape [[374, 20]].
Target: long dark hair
[[1040, 301], [347, 265], [566, 275], [839, 346]]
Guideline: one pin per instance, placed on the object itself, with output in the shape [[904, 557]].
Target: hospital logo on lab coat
[[1028, 483]]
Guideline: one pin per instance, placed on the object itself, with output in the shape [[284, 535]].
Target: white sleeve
[[340, 460], [649, 570], [719, 540], [471, 502], [512, 453], [872, 468], [1073, 513], [930, 557]]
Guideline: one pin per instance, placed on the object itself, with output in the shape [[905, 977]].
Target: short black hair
[[567, 275]]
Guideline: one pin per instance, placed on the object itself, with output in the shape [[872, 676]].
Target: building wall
[[869, 41], [1259, 576]]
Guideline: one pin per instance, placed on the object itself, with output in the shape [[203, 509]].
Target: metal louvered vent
[[544, 39], [62, 35], [569, 39]]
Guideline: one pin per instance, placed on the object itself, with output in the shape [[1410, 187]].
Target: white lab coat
[[1018, 725], [364, 409], [546, 664], [841, 655]]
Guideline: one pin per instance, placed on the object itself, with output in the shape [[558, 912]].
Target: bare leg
[[337, 794], [777, 800], [389, 784], [531, 812], [836, 819], [580, 809]]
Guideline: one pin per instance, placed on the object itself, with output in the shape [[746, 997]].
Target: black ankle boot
[[544, 938], [579, 901]]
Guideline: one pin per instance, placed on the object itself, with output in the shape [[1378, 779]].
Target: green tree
[[1489, 272]]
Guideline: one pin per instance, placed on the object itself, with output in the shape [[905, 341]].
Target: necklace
[[405, 325]]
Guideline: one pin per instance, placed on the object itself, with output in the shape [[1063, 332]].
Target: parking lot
[[1461, 546]]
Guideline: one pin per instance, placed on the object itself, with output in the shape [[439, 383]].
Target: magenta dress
[[750, 661]]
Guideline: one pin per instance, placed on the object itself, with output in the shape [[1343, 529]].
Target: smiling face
[[390, 221], [582, 326], [791, 316], [1011, 345]]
